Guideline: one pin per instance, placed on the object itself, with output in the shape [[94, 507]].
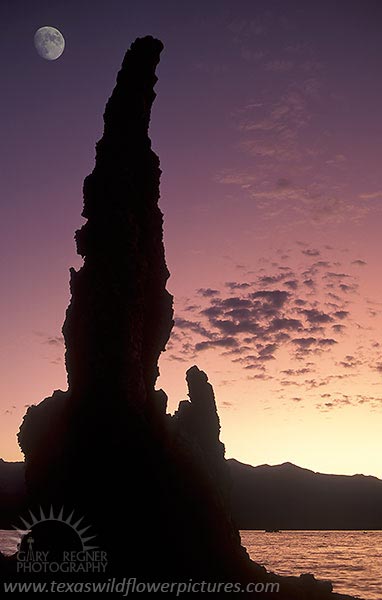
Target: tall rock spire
[[120, 315]]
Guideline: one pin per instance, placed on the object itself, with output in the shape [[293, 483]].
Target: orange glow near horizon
[[328, 424]]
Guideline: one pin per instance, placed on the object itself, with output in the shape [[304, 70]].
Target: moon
[[49, 42]]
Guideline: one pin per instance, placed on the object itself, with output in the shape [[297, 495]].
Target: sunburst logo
[[70, 521], [58, 541]]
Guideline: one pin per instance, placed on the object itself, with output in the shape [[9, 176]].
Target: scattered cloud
[[272, 311]]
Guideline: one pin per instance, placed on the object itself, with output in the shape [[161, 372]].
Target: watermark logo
[[58, 542]]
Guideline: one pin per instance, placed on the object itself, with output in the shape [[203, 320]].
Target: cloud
[[284, 324], [273, 130], [309, 283], [268, 349], [283, 182], [228, 342], [54, 340], [208, 292], [178, 358], [294, 372], [359, 263], [371, 195], [332, 275], [288, 382], [315, 316], [234, 285], [341, 314], [227, 404], [191, 326], [271, 279], [348, 288], [276, 298], [311, 345], [261, 376], [327, 342], [320, 264], [304, 342], [238, 178], [350, 362], [235, 302]]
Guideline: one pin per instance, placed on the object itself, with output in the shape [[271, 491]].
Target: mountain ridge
[[288, 464], [289, 497]]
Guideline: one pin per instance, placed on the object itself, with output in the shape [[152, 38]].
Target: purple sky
[[268, 127]]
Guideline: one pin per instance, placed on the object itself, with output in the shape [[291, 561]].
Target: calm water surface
[[352, 560], [9, 540]]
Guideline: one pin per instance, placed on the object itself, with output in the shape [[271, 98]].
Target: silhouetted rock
[[106, 447], [198, 417], [120, 315], [12, 492], [78, 443], [197, 420], [289, 497]]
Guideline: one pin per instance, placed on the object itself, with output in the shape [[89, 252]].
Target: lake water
[[352, 560], [9, 540]]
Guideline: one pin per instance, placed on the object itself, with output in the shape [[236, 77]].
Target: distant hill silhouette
[[264, 497], [288, 497], [12, 492]]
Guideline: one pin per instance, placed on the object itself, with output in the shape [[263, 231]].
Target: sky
[[268, 126]]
